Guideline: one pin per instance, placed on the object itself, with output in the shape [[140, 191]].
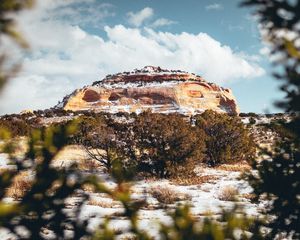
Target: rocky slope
[[160, 90]]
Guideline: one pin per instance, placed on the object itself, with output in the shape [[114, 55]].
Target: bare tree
[[99, 141]]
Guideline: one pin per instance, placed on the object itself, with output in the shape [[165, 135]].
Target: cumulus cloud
[[65, 57], [214, 6], [138, 18], [161, 22]]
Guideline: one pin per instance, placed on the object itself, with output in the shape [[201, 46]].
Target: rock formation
[[152, 88]]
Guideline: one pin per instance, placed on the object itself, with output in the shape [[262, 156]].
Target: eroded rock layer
[[152, 88]]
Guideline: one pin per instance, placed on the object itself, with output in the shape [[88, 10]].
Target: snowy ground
[[205, 198]]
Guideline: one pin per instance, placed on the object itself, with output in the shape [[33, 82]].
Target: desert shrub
[[269, 115], [165, 142], [240, 167], [39, 113], [243, 114], [185, 173], [228, 193], [167, 195], [104, 203], [279, 114], [252, 120], [20, 185], [250, 114], [16, 126], [101, 140], [227, 141], [60, 112], [104, 140], [49, 113]]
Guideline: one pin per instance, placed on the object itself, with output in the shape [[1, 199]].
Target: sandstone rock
[[153, 88]]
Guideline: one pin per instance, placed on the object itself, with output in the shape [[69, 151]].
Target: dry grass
[[196, 180], [20, 185], [129, 237], [249, 196], [167, 195], [239, 167], [75, 152], [103, 203], [88, 188], [228, 193], [89, 165], [3, 170]]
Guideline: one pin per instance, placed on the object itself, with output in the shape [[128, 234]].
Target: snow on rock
[[152, 88]]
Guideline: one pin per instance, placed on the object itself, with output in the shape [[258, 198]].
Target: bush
[[167, 195], [243, 114], [99, 140], [228, 141], [165, 142], [16, 126], [228, 193], [250, 114], [20, 185], [252, 120]]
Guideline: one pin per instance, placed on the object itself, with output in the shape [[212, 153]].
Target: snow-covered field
[[207, 198]]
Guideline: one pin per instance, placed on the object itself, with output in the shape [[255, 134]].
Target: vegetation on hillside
[[227, 140], [165, 145]]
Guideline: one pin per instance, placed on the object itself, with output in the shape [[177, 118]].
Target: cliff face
[[152, 88]]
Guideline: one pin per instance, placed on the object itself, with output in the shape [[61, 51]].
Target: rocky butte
[[160, 90]]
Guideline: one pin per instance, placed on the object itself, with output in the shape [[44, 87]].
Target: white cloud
[[138, 18], [76, 12], [65, 57], [162, 22], [214, 6]]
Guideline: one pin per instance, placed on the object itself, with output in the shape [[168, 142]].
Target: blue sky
[[74, 43]]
